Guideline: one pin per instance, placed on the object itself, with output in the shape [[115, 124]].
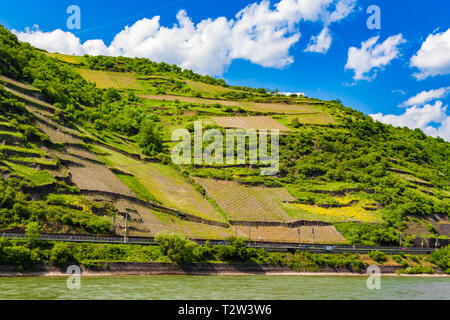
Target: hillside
[[85, 145]]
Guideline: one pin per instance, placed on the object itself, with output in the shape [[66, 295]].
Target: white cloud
[[55, 41], [421, 117], [343, 9], [443, 131], [372, 57], [399, 91], [426, 96], [320, 43], [259, 33], [433, 58]]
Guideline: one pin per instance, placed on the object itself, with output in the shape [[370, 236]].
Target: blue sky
[[376, 81]]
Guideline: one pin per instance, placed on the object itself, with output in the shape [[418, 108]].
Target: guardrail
[[75, 238]]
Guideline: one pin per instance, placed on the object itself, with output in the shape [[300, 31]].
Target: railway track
[[269, 246]]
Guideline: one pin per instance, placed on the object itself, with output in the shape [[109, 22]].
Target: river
[[225, 288]]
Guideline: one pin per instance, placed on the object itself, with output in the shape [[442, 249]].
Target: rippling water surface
[[226, 288]]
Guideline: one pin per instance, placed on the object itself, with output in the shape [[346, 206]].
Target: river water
[[225, 288]]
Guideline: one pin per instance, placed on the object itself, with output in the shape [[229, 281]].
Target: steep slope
[[94, 153]]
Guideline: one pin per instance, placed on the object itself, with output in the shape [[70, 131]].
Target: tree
[[112, 95], [150, 140], [32, 232]]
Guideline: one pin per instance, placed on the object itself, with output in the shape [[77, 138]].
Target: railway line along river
[[225, 288]]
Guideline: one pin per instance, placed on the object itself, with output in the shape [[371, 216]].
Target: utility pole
[[126, 229], [298, 230], [249, 228], [312, 231]]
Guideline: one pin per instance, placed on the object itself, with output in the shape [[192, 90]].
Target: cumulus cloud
[[433, 58], [55, 41], [421, 117], [372, 56], [426, 96], [259, 33], [322, 42]]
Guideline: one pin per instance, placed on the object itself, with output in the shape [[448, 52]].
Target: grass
[[32, 100], [295, 212], [139, 190], [67, 58], [35, 160], [326, 186], [352, 213], [7, 134], [21, 150], [37, 178], [18, 84]]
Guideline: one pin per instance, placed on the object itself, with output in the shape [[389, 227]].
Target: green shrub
[[150, 140], [397, 258], [413, 258], [418, 270], [62, 255], [441, 258], [176, 247], [18, 255], [378, 256]]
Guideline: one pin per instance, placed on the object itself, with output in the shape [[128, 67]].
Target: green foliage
[[62, 255], [368, 234], [32, 232], [378, 256], [176, 247], [150, 140], [19, 255], [441, 258], [357, 152], [417, 270], [18, 211], [397, 258]]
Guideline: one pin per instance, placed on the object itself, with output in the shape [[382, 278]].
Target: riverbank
[[197, 269]]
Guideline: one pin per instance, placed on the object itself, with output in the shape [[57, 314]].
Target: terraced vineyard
[[115, 80], [316, 234], [247, 105], [258, 123], [77, 157], [67, 58], [247, 203]]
